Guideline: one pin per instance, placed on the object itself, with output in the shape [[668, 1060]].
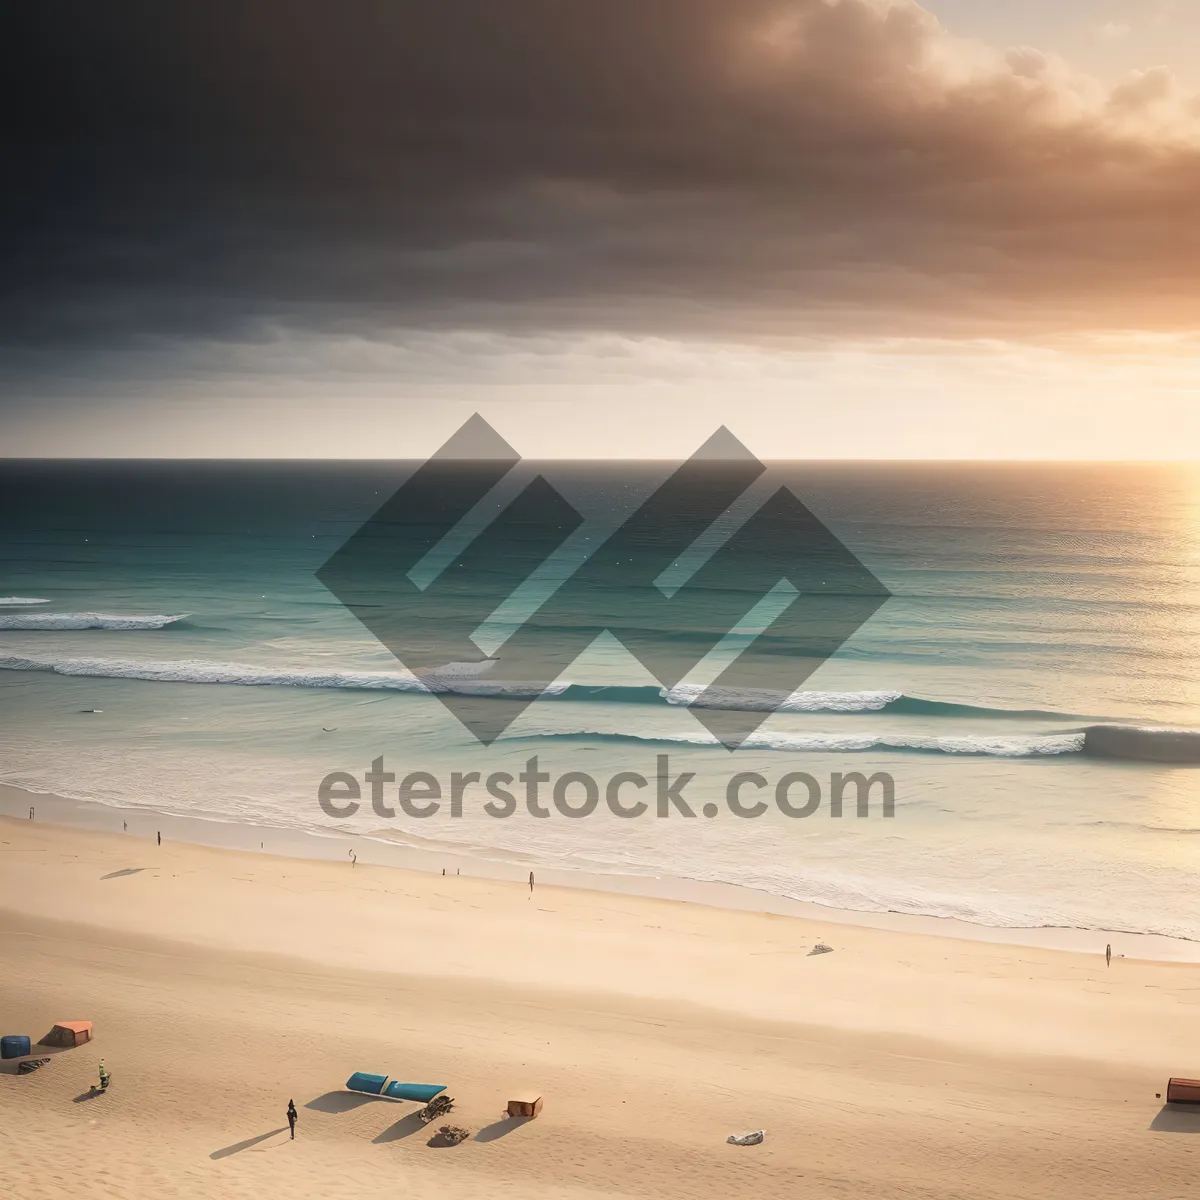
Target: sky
[[842, 228]]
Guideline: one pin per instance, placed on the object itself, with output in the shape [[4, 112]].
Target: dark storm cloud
[[747, 167]]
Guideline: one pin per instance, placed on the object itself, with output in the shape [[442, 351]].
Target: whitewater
[[1113, 741]]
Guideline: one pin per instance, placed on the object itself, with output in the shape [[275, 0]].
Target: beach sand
[[223, 983]]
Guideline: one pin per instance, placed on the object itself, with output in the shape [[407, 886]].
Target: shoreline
[[216, 833]]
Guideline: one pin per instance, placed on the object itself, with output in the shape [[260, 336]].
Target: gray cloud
[[749, 168]]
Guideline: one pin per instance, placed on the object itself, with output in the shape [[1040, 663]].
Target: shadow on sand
[[489, 1133], [441, 1141], [403, 1128], [238, 1147], [9, 1066], [339, 1102], [1170, 1119], [126, 871]]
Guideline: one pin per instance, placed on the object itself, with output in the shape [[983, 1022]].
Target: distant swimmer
[[333, 730]]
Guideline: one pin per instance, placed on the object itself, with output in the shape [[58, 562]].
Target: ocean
[[1032, 686]]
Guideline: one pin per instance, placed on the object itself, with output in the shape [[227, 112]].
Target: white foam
[[87, 620], [753, 700], [196, 670], [1009, 746], [20, 601]]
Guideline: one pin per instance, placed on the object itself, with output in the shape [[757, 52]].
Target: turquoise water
[[1044, 623]]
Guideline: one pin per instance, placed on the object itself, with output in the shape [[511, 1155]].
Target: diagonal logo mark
[[782, 559]]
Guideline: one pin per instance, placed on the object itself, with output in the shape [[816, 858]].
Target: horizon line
[[272, 458]]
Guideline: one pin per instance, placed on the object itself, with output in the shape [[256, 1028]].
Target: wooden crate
[[525, 1105]]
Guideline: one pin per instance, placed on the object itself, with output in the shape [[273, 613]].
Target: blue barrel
[[14, 1047]]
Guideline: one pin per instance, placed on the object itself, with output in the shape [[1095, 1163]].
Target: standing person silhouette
[[531, 881], [1108, 956], [160, 837], [291, 1116]]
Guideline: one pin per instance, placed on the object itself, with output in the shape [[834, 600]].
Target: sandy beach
[[223, 983]]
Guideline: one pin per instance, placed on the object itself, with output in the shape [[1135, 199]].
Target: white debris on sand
[[746, 1139]]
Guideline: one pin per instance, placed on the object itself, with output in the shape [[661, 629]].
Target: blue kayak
[[377, 1085], [424, 1092], [372, 1085]]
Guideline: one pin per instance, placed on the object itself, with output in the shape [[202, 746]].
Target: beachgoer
[[1108, 956], [160, 837], [124, 826], [103, 1076], [291, 1116], [353, 859], [531, 881]]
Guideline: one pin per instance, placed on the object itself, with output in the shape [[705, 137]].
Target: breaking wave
[[1128, 743], [753, 700], [460, 679], [1125, 743], [1007, 746], [86, 620], [20, 601], [196, 670]]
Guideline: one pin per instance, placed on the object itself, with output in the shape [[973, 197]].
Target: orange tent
[[68, 1033]]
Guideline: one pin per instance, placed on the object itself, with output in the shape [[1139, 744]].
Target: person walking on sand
[[531, 881], [291, 1116], [1108, 956], [160, 837], [103, 1076]]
